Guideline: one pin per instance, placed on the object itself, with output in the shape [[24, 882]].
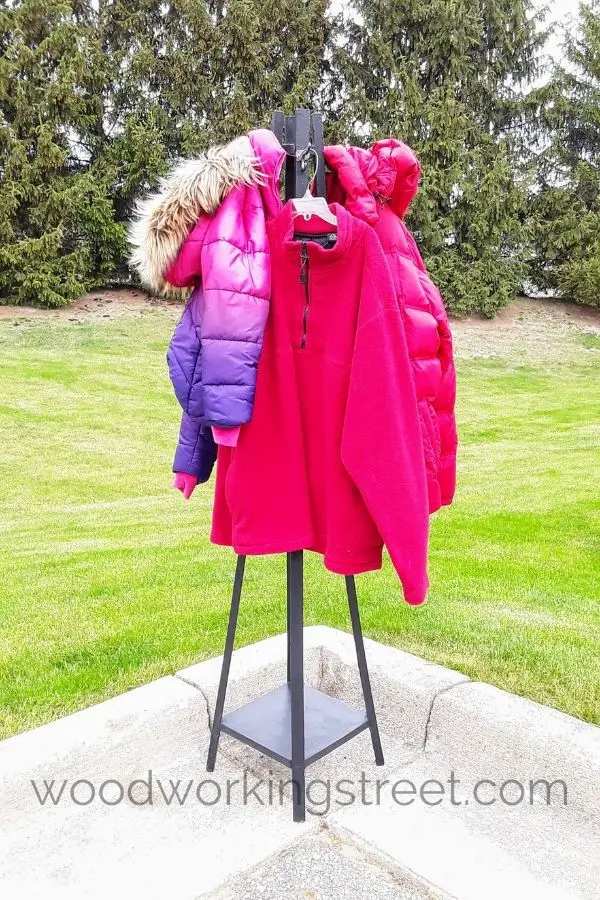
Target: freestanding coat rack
[[294, 723]]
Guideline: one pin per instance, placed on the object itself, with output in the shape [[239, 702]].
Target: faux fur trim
[[163, 220]]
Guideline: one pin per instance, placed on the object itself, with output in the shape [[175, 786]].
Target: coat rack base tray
[[265, 724]]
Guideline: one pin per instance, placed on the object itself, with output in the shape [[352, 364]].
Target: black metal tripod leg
[[287, 605], [362, 668], [296, 680], [215, 731]]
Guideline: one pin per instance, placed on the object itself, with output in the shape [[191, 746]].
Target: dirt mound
[[531, 329], [528, 329]]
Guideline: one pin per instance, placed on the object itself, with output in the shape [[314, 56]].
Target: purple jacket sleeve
[[196, 450]]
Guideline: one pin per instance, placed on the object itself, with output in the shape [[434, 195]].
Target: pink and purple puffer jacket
[[206, 230]]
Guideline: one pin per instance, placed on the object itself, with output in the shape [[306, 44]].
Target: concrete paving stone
[[474, 851], [494, 734], [140, 729], [323, 867]]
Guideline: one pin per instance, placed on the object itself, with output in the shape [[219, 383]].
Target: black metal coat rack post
[[294, 723]]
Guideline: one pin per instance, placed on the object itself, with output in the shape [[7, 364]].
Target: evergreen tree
[[566, 201], [447, 76], [56, 218], [97, 97]]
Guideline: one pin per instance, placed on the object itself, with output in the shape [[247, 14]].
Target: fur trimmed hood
[[163, 220]]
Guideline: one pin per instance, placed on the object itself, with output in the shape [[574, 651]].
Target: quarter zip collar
[[281, 230]]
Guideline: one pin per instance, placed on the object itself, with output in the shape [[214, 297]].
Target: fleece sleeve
[[381, 442]]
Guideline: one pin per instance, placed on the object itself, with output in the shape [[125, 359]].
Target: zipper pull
[[304, 264]]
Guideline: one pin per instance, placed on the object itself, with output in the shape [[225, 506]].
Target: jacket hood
[[387, 173], [163, 220]]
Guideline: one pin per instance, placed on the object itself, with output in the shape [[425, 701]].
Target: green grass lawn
[[107, 578]]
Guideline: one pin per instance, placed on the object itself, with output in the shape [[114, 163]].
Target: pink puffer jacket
[[378, 185]]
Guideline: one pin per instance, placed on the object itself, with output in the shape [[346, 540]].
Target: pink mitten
[[185, 483]]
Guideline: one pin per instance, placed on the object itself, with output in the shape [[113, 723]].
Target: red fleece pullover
[[332, 460]]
